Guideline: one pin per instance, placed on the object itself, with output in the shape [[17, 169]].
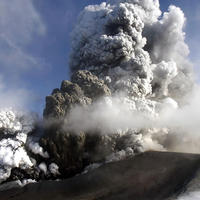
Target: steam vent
[[112, 130]]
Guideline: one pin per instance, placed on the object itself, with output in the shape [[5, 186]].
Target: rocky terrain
[[150, 175]]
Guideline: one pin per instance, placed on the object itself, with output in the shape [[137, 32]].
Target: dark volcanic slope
[[148, 176]]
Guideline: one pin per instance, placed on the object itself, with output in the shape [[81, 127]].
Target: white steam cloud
[[13, 129]]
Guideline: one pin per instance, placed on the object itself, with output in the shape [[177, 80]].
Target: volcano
[[131, 91]]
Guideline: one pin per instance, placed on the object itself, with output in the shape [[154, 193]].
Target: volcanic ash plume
[[131, 87], [131, 90], [129, 45], [142, 57]]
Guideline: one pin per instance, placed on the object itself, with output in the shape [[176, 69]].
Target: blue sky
[[35, 44]]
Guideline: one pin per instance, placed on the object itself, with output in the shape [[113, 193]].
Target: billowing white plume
[[13, 129], [15, 143], [142, 56]]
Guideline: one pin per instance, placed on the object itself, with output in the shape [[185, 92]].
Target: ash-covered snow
[[15, 184], [91, 167]]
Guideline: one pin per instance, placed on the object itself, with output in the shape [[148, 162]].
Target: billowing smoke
[[142, 56], [13, 129], [129, 44], [20, 152]]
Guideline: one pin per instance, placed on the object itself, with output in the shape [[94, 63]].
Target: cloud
[[20, 20], [19, 23], [145, 56]]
